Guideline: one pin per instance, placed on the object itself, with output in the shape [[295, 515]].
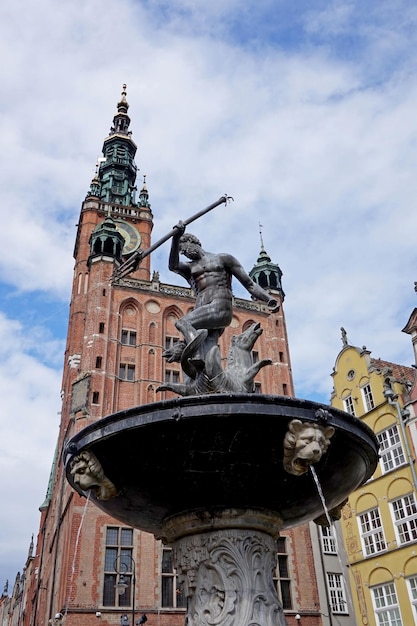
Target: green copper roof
[[266, 273], [114, 182], [50, 488]]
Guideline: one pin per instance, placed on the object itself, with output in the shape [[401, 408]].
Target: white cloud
[[30, 402], [314, 137]]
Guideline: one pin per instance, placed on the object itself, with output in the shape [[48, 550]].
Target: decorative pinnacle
[[123, 106], [260, 235]]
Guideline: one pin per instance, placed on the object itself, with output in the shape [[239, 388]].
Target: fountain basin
[[208, 455]]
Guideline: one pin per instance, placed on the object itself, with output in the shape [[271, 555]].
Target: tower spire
[[114, 182], [260, 236], [121, 120]]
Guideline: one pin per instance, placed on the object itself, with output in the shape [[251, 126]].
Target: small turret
[[95, 185], [106, 240], [144, 195], [266, 273]]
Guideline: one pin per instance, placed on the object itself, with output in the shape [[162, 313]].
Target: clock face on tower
[[131, 236]]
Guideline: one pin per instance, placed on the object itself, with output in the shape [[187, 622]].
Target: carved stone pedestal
[[227, 573]]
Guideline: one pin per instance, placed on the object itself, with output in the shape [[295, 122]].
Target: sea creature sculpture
[[210, 377]]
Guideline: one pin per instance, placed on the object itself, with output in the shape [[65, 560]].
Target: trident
[[132, 264]]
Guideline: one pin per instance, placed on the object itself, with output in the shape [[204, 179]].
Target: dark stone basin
[[216, 452]]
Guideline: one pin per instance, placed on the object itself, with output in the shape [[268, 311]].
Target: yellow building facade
[[379, 523]]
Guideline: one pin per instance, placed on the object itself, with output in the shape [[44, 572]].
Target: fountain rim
[[184, 408]]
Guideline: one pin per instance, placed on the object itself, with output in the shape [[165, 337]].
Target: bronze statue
[[210, 276]]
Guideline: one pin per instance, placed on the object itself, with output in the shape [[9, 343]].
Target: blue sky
[[304, 112]]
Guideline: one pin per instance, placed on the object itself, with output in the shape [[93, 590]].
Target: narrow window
[[99, 361], [387, 610], [336, 587], [118, 566], [412, 591], [349, 405], [281, 357], [368, 399], [170, 342], [282, 576], [101, 328], [171, 594], [404, 512], [127, 372], [172, 376], [328, 540], [390, 449], [95, 397], [258, 388], [128, 337], [255, 356], [284, 389], [372, 534]]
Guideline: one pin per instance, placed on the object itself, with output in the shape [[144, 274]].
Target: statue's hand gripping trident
[[134, 261]]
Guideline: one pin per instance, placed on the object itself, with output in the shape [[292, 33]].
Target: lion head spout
[[304, 444]]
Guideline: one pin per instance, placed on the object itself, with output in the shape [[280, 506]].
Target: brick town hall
[[117, 332]]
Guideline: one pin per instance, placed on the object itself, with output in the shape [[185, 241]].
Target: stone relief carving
[[228, 578], [304, 444], [88, 474]]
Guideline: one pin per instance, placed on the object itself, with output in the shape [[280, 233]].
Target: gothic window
[[404, 512], [328, 539], [368, 399], [128, 337], [282, 575], [150, 394], [349, 405], [118, 562], [171, 594], [337, 595], [372, 533], [390, 450], [127, 372], [387, 610]]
